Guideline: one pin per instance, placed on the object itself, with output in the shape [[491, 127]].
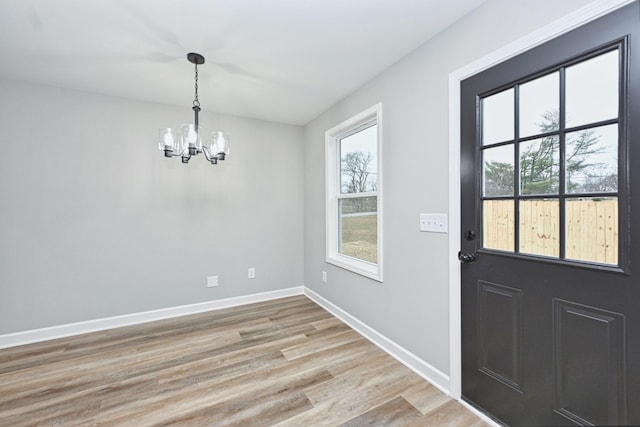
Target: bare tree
[[539, 165], [356, 174], [358, 177]]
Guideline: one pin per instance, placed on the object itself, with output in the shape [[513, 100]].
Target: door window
[[550, 162]]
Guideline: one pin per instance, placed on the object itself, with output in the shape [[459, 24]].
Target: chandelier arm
[[173, 153], [213, 159], [180, 153], [205, 150]]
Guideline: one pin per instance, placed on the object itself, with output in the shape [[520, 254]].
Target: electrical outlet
[[212, 281], [324, 277], [251, 274]]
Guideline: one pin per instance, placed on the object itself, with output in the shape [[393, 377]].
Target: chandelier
[[187, 141]]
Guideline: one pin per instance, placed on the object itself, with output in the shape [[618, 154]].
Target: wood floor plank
[[100, 366], [320, 343], [425, 397], [376, 380], [275, 401], [451, 414], [283, 362], [327, 323], [396, 412]]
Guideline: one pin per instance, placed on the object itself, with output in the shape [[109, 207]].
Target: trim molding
[[61, 331], [370, 116], [410, 360], [580, 17]]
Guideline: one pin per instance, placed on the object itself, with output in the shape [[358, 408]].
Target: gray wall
[[411, 307], [95, 222]]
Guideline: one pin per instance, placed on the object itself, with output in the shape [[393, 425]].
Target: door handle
[[466, 258]]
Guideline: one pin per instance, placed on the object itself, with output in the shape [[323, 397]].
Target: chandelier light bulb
[[167, 140], [220, 144]]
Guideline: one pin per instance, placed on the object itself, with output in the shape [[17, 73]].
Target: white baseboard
[[413, 362], [54, 332], [410, 360]]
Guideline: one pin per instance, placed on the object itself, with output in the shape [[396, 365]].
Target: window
[[354, 194], [550, 156]]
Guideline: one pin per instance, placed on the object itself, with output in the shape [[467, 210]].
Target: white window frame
[[371, 116]]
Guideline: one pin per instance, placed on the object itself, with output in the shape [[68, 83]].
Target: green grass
[[360, 237]]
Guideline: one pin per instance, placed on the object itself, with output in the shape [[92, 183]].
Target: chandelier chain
[[196, 102]]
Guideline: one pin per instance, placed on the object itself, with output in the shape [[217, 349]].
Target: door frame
[[555, 29]]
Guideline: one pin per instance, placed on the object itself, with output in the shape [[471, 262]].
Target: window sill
[[363, 268]]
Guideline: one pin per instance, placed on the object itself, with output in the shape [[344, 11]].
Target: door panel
[[550, 180], [500, 333], [589, 363]]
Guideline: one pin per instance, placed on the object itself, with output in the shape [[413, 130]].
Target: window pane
[[592, 229], [539, 105], [540, 227], [592, 90], [592, 160], [359, 228], [497, 171], [497, 117], [540, 166], [498, 225], [358, 161]]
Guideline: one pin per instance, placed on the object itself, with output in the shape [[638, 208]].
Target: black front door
[[550, 245]]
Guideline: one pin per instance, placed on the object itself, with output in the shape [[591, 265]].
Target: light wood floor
[[286, 362]]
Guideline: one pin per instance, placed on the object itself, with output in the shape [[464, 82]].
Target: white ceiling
[[279, 60]]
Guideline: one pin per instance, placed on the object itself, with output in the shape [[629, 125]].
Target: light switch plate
[[434, 223]]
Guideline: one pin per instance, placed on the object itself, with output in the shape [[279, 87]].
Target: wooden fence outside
[[591, 228]]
